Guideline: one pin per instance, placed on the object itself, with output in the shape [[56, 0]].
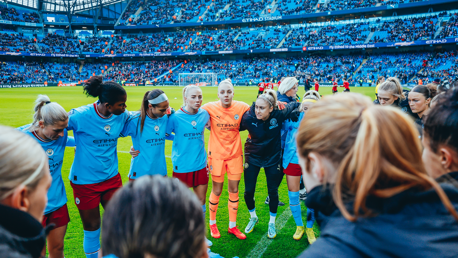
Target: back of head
[[392, 85], [154, 215], [441, 125], [270, 96], [312, 94], [107, 92], [47, 111], [372, 150], [22, 161], [287, 84]]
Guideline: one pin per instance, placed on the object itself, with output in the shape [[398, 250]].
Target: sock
[[204, 209], [303, 191], [272, 217], [295, 207], [91, 243], [233, 205], [253, 213], [213, 205], [310, 218]]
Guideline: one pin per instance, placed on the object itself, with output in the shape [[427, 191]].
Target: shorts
[[260, 92], [293, 170], [193, 179], [59, 217], [218, 168], [89, 196]]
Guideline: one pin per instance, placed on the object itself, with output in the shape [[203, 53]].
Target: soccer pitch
[[17, 110]]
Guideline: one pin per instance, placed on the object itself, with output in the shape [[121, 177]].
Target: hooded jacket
[[263, 145], [21, 235], [409, 224]]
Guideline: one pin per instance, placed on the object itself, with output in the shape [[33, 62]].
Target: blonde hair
[[227, 82], [270, 96], [186, 90], [47, 111], [392, 85], [22, 161], [375, 151], [287, 84]]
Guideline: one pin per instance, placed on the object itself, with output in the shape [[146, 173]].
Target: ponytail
[[270, 96], [47, 111], [392, 85], [149, 95], [107, 92]]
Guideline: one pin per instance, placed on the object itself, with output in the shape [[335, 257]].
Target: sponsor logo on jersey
[[236, 117], [107, 128], [49, 152], [273, 123]]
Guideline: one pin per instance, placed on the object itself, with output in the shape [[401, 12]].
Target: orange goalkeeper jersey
[[225, 143]]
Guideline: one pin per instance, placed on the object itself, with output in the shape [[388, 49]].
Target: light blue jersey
[[96, 136], [290, 151], [150, 143], [55, 151], [188, 151]]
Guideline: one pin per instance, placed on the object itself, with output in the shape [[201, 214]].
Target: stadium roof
[[64, 5]]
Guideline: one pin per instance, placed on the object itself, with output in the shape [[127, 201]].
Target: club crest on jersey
[[246, 165], [77, 200], [107, 128], [194, 123], [236, 117], [273, 123], [49, 152], [156, 128]]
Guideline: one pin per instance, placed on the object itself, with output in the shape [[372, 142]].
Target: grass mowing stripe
[[262, 245]]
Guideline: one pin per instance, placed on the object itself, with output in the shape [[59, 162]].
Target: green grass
[[16, 110]]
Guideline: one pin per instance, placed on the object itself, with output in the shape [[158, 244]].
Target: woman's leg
[[55, 241], [217, 189], [91, 226], [201, 192], [295, 205], [251, 177]]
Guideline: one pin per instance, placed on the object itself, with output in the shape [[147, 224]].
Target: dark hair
[[441, 125], [423, 90], [153, 215], [432, 88], [107, 92], [149, 95]]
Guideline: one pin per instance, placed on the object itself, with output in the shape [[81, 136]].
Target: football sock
[[233, 205], [295, 207], [272, 217], [91, 243], [253, 213], [213, 206], [204, 209]]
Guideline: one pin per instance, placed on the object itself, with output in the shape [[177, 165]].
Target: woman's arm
[[290, 111]]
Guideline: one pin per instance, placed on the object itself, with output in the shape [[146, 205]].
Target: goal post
[[199, 79]]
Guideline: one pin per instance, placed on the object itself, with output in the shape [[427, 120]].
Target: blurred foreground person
[[361, 164], [25, 180], [154, 216], [440, 138]]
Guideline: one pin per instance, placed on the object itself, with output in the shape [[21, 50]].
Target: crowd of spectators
[[295, 7], [95, 44], [17, 15], [408, 29], [22, 72], [53, 43], [449, 30], [17, 42]]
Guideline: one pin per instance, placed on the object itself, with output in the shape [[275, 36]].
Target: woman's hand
[[134, 153]]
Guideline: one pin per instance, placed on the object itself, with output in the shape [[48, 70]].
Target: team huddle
[[94, 176]]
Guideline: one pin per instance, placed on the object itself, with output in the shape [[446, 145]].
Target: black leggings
[[273, 175]]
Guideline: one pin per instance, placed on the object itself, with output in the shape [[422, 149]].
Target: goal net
[[199, 79]]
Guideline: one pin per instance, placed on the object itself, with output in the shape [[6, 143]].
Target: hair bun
[[93, 86]]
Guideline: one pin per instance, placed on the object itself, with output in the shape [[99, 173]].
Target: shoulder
[[202, 112], [81, 110]]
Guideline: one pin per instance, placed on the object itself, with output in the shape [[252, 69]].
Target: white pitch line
[[128, 152], [262, 245]]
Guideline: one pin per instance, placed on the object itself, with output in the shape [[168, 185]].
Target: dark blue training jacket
[[409, 224]]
